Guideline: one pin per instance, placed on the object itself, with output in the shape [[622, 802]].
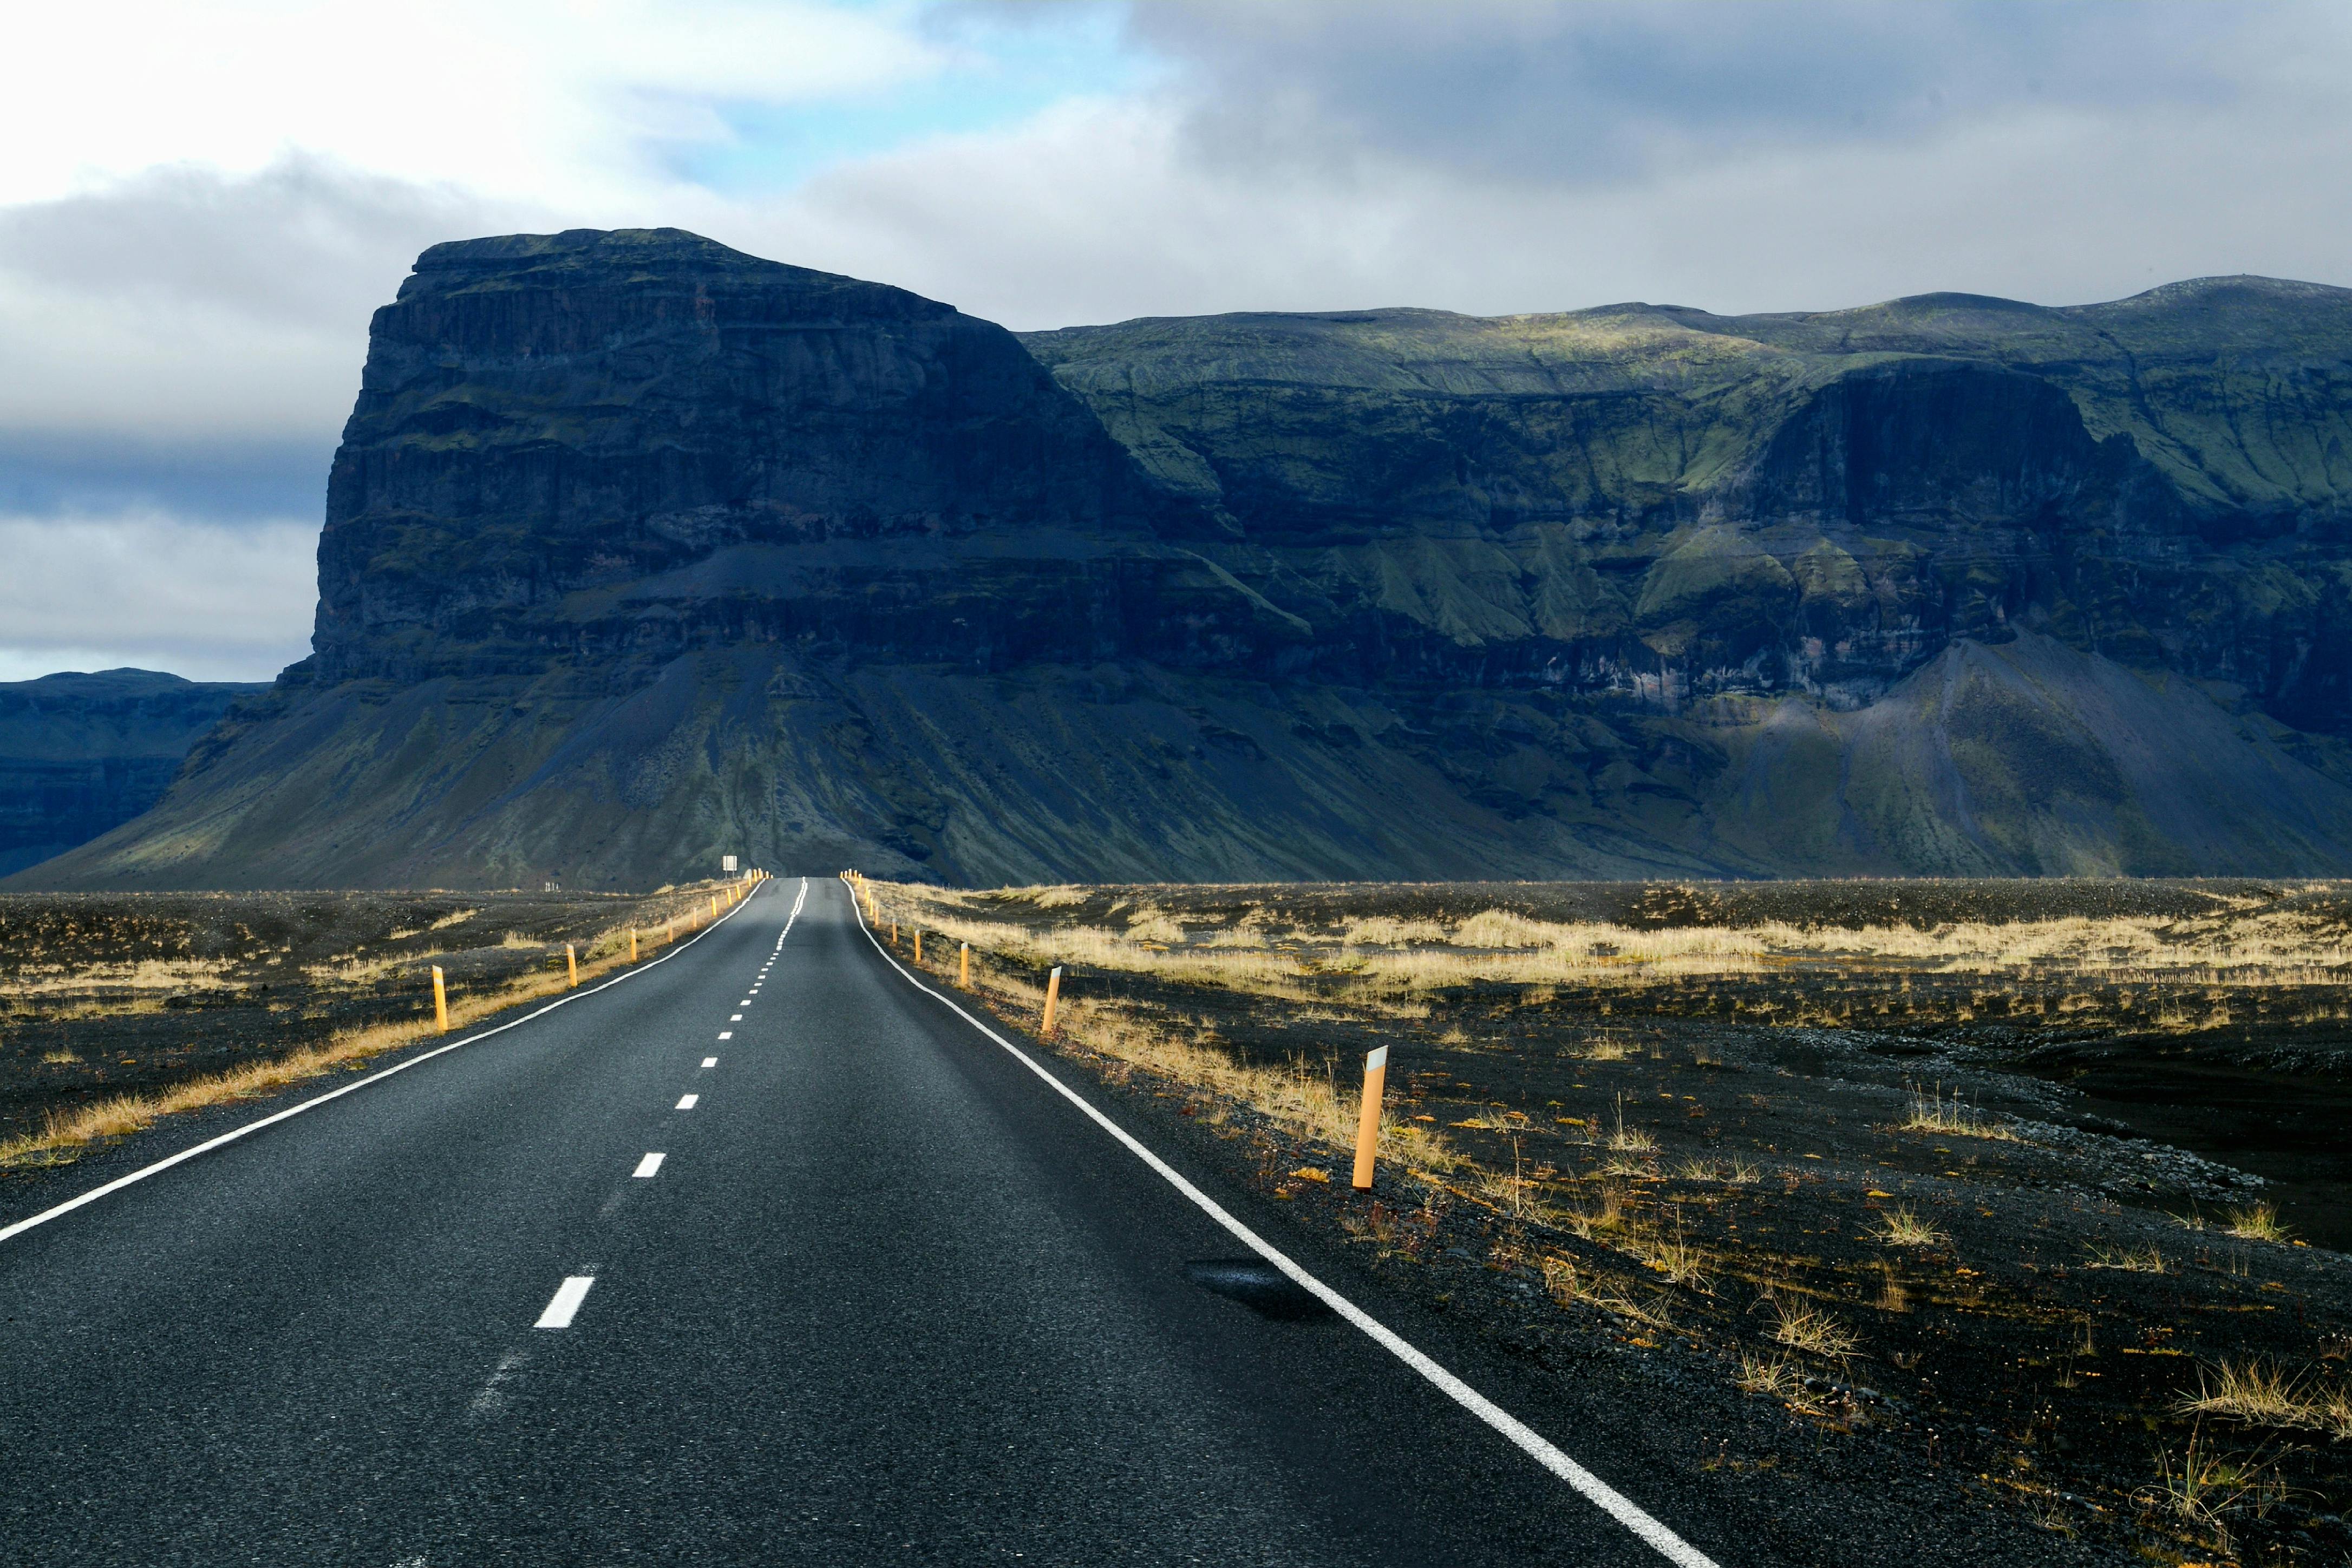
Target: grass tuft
[[2126, 1259], [1811, 1331], [1629, 1141], [1901, 1228], [1673, 1256], [1953, 1118], [2260, 1394]]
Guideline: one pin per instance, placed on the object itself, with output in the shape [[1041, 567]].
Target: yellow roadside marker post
[[440, 1000], [1052, 994], [919, 944], [571, 963], [894, 934], [1368, 1120], [633, 944], [963, 980]]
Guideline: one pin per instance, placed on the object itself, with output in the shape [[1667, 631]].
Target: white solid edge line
[[566, 1304], [210, 1145], [648, 1165], [1595, 1490]]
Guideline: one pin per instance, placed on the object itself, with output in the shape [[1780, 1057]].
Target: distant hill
[[639, 549], [82, 754]]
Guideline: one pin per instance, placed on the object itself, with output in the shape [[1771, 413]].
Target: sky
[[200, 205]]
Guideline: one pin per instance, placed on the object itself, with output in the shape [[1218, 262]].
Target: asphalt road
[[885, 1296]]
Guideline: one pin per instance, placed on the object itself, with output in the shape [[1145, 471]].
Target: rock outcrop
[[82, 754], [639, 550]]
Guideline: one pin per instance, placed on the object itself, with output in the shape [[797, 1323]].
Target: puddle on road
[[1259, 1286]]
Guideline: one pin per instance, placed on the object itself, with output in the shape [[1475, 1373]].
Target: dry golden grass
[[1811, 1329], [2126, 1259], [120, 1115], [2260, 1394], [1671, 1256], [1592, 1224], [1952, 1118], [1305, 1101], [1900, 1227], [1571, 1286], [127, 1113], [2244, 946], [2256, 1393], [358, 972], [1773, 1377], [145, 974], [1378, 931], [1623, 1140], [2257, 1222]]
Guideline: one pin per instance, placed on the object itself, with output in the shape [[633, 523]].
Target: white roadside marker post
[[1368, 1120]]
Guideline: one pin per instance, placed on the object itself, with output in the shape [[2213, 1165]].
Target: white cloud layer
[[203, 205], [209, 601]]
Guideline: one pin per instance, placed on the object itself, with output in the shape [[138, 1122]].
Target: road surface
[[760, 1256]]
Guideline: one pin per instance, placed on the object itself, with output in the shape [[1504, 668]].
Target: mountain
[[639, 550], [80, 753]]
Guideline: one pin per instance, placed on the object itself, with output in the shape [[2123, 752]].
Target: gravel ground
[[2025, 1357]]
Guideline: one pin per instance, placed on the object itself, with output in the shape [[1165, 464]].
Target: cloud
[[184, 302], [1598, 91], [1110, 208], [209, 601]]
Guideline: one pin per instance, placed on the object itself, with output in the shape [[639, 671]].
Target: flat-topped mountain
[[639, 549], [82, 754]]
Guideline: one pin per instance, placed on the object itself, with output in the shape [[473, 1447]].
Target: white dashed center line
[[734, 1017], [647, 1166], [685, 1102], [726, 1034], [566, 1305], [710, 1061]]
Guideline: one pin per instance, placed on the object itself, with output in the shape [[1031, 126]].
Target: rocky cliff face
[[1636, 497], [82, 754], [639, 550], [623, 446]]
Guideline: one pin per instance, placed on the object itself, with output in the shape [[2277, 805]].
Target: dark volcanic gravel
[[2022, 1366]]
